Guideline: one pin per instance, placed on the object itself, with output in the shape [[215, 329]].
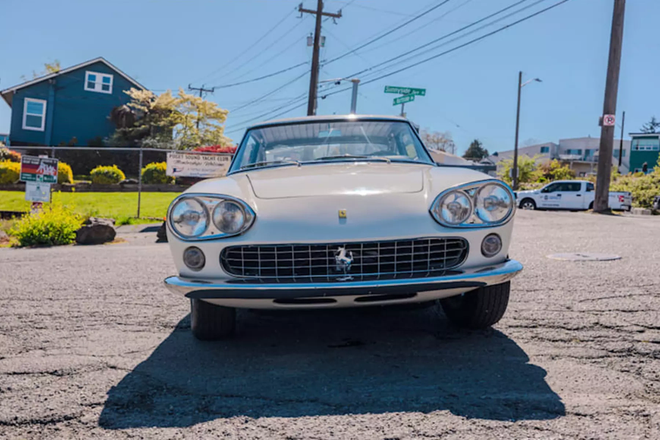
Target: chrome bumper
[[250, 289]]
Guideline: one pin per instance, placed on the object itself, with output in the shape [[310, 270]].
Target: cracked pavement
[[92, 346]]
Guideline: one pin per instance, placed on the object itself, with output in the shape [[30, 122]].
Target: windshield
[[317, 142]]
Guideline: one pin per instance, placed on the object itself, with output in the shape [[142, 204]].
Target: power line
[[261, 77], [270, 93], [406, 23], [243, 52]]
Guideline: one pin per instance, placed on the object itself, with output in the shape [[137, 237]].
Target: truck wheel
[[528, 204], [591, 205], [210, 322], [479, 308]]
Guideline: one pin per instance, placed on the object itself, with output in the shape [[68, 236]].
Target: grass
[[120, 206]]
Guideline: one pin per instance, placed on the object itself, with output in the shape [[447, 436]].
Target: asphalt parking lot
[[92, 345]]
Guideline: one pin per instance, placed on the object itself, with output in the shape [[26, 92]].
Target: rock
[[4, 238], [162, 234], [96, 231]]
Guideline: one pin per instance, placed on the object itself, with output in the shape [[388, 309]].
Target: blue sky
[[166, 44]]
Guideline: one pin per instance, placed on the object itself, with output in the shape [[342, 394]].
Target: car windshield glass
[[322, 142]]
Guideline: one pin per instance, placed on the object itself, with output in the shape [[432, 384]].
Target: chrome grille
[[416, 258]]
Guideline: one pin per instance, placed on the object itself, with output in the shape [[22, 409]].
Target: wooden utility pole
[[201, 91], [623, 123], [609, 108], [514, 172], [314, 77]]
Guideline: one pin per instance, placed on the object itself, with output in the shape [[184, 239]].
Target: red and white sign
[[609, 120]]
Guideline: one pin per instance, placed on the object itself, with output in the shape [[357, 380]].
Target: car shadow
[[310, 363]]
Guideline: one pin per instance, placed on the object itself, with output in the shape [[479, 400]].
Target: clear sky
[[167, 44]]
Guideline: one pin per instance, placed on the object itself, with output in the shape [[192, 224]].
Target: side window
[[590, 186], [545, 150], [34, 114], [572, 187], [551, 188]]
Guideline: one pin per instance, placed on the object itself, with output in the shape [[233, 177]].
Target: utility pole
[[623, 122], [609, 108], [514, 170], [314, 77], [354, 96], [201, 90]]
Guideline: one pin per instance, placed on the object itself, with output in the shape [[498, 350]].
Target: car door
[[550, 196], [571, 195]]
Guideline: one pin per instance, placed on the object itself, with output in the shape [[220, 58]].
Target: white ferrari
[[341, 211]]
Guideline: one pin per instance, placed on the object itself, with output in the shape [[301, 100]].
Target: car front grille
[[416, 258]]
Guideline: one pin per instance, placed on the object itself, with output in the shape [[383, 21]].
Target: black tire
[[529, 204], [479, 308], [591, 205], [209, 322]]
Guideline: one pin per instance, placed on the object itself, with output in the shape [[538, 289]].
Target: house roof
[[8, 93]]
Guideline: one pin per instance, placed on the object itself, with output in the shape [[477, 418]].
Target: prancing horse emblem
[[343, 261]]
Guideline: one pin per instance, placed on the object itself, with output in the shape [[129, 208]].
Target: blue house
[[69, 106]]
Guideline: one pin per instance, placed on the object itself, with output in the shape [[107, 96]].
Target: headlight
[[493, 203], [229, 217], [474, 205], [189, 217], [209, 216], [454, 208]]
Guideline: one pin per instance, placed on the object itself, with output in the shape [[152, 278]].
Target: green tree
[[528, 169], [476, 151], [553, 170], [53, 67], [651, 126]]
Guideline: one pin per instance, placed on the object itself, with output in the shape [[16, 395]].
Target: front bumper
[[467, 279]]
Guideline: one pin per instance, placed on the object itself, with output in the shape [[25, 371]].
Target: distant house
[[69, 106], [645, 149], [4, 138]]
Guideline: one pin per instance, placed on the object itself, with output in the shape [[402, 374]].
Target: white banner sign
[[37, 192], [197, 165]]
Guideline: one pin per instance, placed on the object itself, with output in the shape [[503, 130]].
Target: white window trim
[[99, 81], [25, 114]]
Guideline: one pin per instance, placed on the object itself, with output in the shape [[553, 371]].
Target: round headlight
[[454, 208], [189, 217], [493, 203], [229, 217]]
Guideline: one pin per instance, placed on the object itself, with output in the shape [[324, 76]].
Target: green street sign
[[405, 90], [402, 99]]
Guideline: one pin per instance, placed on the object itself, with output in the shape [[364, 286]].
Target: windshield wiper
[[350, 156], [270, 162]]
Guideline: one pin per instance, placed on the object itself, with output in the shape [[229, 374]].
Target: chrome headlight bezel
[[210, 202], [472, 189]]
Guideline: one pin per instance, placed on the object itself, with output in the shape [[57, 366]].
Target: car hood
[[361, 178]]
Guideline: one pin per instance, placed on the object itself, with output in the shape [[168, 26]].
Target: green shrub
[[9, 172], [106, 175], [52, 226], [64, 173], [155, 173]]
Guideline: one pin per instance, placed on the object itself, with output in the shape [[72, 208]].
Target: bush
[[154, 173], [106, 175], [553, 170], [9, 172], [64, 173], [9, 155], [54, 225]]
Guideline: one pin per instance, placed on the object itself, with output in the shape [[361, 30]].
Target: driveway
[[92, 345]]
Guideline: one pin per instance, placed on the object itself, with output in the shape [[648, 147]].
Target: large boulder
[[4, 238], [96, 231]]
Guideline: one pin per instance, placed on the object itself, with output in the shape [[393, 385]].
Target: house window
[[34, 114], [574, 151], [545, 150], [646, 144], [98, 82]]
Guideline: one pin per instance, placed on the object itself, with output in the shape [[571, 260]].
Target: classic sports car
[[341, 211]]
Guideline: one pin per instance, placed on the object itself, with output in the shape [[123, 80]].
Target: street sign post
[[38, 169], [403, 99], [405, 90]]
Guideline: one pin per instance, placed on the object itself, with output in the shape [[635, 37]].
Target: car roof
[[329, 118]]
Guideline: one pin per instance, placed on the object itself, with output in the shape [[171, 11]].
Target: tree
[[528, 171], [651, 126], [437, 140], [476, 151], [165, 121], [53, 67], [553, 170]]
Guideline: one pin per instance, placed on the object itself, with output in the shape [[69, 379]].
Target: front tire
[[479, 308], [209, 322], [528, 204]]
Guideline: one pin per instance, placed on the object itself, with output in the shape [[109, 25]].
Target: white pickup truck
[[569, 194]]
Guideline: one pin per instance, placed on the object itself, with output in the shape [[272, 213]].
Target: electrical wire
[[269, 93]]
